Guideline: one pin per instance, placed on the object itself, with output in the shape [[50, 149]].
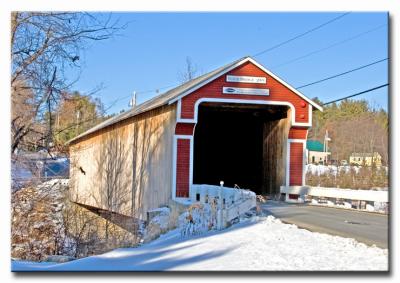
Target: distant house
[[316, 153], [367, 159]]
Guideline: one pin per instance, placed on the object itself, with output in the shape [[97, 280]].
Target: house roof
[[314, 145], [175, 94]]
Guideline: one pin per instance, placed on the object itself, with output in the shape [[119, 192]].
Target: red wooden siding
[[277, 92], [296, 164], [184, 129], [182, 167], [298, 133]]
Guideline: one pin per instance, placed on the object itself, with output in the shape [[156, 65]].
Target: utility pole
[[78, 116], [132, 102], [326, 140]]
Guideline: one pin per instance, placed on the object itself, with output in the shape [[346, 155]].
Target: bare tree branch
[[43, 46]]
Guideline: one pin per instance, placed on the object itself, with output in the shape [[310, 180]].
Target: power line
[[138, 92], [300, 35], [344, 73], [319, 81], [280, 44], [328, 47], [362, 92], [257, 54], [156, 89]]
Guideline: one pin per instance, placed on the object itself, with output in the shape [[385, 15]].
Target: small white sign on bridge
[[241, 90], [246, 79]]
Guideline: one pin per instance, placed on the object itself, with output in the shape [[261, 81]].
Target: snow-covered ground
[[333, 169], [260, 243]]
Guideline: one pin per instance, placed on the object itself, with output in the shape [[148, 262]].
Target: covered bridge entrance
[[240, 144], [243, 126]]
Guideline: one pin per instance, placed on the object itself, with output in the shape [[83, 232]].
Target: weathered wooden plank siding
[[274, 154], [126, 168]]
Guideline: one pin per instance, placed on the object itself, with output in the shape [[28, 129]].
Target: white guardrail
[[369, 200], [231, 202], [366, 195]]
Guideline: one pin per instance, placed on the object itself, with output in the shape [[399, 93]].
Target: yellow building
[[367, 159]]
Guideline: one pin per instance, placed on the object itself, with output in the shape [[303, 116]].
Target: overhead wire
[[301, 35], [255, 55], [295, 59], [356, 94], [341, 74], [328, 47]]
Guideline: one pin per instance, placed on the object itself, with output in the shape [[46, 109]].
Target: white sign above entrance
[[241, 90], [246, 79]]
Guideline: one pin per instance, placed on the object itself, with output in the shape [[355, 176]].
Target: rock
[[158, 224]]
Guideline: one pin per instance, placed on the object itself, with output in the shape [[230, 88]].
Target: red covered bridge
[[240, 124]]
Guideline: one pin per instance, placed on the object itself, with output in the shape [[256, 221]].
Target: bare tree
[[44, 45], [190, 72], [24, 114]]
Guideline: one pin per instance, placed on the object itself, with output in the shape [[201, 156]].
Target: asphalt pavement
[[365, 227]]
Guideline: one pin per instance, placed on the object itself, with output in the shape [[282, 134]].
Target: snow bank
[[261, 243], [158, 224], [162, 217], [198, 219], [331, 169]]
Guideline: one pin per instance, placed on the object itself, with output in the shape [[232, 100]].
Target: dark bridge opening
[[230, 145]]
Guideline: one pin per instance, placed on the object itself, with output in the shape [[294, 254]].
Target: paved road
[[368, 228]]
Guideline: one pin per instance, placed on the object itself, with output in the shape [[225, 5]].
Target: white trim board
[[247, 59], [242, 101]]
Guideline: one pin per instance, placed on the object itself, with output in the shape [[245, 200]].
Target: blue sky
[[151, 52]]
